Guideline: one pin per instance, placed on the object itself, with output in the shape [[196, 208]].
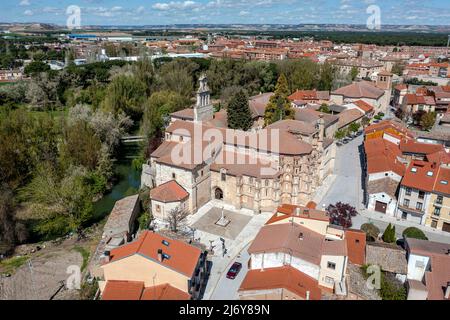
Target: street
[[347, 188]]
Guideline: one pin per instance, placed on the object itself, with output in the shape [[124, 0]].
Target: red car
[[234, 270]]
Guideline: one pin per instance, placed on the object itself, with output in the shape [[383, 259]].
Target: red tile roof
[[411, 99], [381, 156], [363, 106], [427, 176], [134, 290], [285, 277], [411, 146], [362, 89], [309, 95], [164, 292], [285, 211], [183, 257], [170, 191], [123, 290]]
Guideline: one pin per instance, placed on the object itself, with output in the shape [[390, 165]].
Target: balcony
[[416, 211]]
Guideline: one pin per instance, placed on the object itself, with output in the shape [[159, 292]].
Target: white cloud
[[244, 13], [173, 5], [28, 12], [141, 9], [24, 3]]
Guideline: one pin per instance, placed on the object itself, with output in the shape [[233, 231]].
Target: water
[[127, 183]]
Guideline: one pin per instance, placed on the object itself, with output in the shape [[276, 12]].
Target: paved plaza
[[207, 223]]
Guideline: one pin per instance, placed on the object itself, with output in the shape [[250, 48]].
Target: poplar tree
[[279, 106]]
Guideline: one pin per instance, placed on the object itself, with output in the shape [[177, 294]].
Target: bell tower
[[203, 110]]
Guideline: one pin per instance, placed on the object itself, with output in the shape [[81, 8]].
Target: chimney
[[160, 255], [307, 295], [300, 236], [107, 256], [447, 291], [297, 211]]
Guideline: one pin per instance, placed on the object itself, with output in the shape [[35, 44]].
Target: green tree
[[354, 73], [427, 120], [398, 69], [125, 94], [238, 112], [371, 231], [354, 127], [279, 107], [340, 134], [413, 232], [389, 234], [324, 108], [36, 67], [62, 203]]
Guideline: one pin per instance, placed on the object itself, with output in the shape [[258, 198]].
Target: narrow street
[[348, 188]]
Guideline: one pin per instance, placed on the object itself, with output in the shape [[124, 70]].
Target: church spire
[[203, 110]]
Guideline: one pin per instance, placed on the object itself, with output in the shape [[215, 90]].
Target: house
[[153, 266], [310, 96], [349, 116], [303, 255], [362, 106], [167, 197], [413, 103], [423, 190], [428, 272], [384, 170], [376, 94]]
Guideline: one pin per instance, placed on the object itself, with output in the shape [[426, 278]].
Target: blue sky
[[151, 12]]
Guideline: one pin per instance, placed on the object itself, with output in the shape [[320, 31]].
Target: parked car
[[234, 270]]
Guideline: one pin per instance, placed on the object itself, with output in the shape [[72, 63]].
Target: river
[[128, 180]]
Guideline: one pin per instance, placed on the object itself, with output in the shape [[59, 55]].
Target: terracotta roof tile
[[362, 89], [183, 257], [285, 277], [123, 290], [170, 191], [164, 292]]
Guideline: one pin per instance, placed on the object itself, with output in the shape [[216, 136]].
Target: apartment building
[[153, 267], [424, 194]]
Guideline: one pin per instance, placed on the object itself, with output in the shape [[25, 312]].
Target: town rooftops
[[285, 277], [170, 191], [362, 89], [294, 126], [176, 255], [285, 211], [185, 114], [309, 95], [312, 116], [348, 116], [438, 276], [430, 177], [427, 248], [257, 104], [382, 156], [292, 238], [412, 99], [389, 126], [411, 146], [364, 106], [135, 290]]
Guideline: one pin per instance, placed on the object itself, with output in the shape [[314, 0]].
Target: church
[[201, 159]]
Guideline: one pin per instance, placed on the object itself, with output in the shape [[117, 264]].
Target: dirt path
[[39, 274]]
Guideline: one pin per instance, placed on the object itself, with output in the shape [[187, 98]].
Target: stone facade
[[297, 175]]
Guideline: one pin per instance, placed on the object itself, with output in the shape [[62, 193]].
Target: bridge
[[131, 139]]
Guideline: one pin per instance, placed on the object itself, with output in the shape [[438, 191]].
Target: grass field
[[12, 264]]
